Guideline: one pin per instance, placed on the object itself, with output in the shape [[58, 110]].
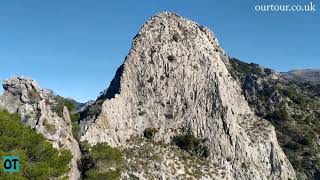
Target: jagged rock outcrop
[[176, 81], [35, 106]]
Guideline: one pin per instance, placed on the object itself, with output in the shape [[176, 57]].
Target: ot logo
[[11, 164]]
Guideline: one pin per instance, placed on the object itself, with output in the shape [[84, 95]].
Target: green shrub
[[38, 159], [191, 144], [51, 128], [278, 115], [297, 165], [291, 146], [61, 102], [317, 161], [76, 131], [268, 71], [109, 175], [150, 132], [75, 117], [58, 108], [307, 141], [101, 162], [245, 68], [296, 97]]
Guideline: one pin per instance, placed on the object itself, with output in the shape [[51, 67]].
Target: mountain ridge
[[178, 94], [173, 65]]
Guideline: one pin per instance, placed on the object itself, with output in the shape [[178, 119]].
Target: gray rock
[[175, 79]]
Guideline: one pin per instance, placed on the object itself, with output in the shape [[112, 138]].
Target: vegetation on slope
[[38, 159], [192, 145], [292, 107], [74, 115], [101, 162], [148, 159]]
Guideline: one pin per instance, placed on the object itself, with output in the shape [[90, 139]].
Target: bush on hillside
[[278, 115], [245, 68], [191, 144], [61, 102], [38, 159], [149, 133], [306, 140], [101, 162], [74, 116]]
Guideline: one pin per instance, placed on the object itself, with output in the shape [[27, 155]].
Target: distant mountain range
[[309, 75]]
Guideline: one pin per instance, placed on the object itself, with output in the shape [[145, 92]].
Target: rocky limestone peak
[[36, 107], [175, 80], [18, 84]]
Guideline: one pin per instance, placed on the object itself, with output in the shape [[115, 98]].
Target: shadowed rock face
[[175, 80], [34, 105]]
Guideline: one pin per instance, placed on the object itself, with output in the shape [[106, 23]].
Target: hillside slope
[[292, 105], [44, 112]]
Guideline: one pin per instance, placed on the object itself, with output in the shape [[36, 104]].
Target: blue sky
[[74, 47]]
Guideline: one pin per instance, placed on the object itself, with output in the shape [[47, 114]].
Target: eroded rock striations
[[35, 106], [176, 81]]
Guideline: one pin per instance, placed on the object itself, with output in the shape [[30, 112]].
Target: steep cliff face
[[175, 80], [37, 108]]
